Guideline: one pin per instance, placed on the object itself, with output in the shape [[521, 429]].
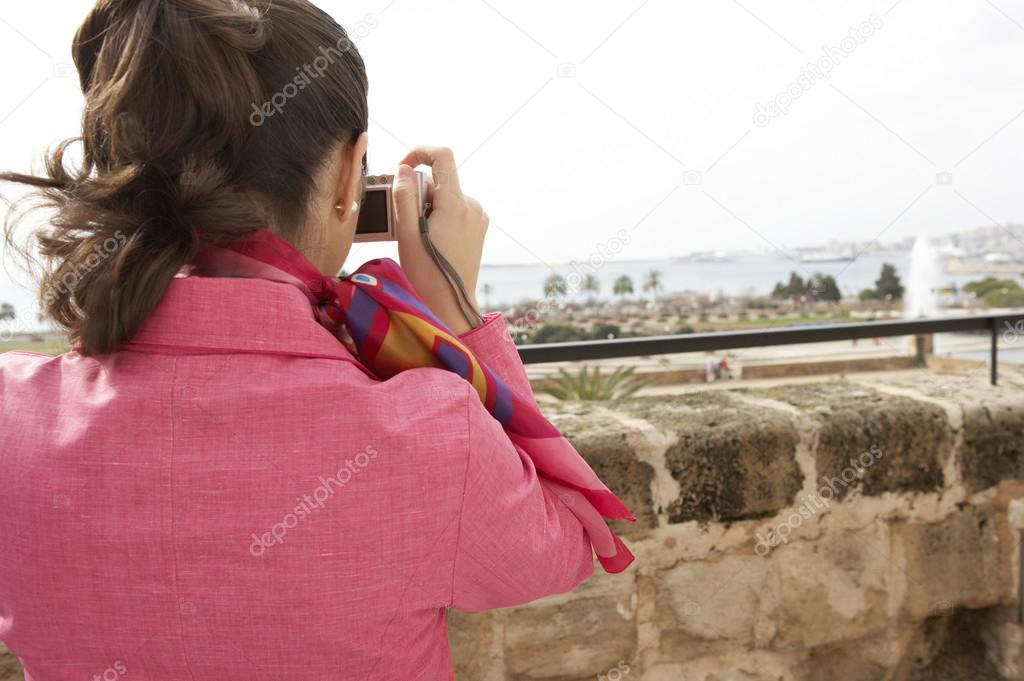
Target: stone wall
[[849, 530], [10, 670]]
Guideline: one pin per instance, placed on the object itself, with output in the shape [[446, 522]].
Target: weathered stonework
[[856, 421], [732, 462], [10, 670], [607, 446], [712, 606], [566, 636], [954, 562], [834, 589], [747, 570], [993, 447]]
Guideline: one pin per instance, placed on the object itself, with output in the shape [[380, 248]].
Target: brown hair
[[204, 120]]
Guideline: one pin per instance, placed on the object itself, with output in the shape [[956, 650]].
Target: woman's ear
[[350, 183], [340, 208]]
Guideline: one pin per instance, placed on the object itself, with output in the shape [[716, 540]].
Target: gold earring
[[353, 208]]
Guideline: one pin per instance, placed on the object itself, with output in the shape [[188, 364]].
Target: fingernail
[[404, 171]]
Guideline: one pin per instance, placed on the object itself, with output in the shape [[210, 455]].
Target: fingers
[[430, 193], [442, 166], [475, 207], [406, 196]]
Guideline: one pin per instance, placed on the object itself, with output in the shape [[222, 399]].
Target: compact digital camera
[[377, 220]]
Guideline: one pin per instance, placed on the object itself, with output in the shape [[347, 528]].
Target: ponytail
[[170, 160]]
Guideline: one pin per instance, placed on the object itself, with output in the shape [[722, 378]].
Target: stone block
[[707, 607], [732, 460], [606, 444], [950, 646], [868, 659], [993, 445], [741, 665], [10, 668], [571, 636], [870, 441], [836, 588], [951, 563], [474, 639]]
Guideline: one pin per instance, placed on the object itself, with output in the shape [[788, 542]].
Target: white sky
[[656, 89]]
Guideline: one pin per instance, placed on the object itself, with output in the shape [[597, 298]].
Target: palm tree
[[591, 285], [555, 286], [623, 286], [487, 289], [653, 282]]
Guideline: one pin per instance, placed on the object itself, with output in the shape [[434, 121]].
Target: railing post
[[923, 345], [994, 358]]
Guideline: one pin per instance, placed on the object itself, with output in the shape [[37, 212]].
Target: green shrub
[[1007, 297], [592, 385], [605, 331], [557, 333]]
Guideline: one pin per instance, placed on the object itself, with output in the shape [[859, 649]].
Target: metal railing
[[756, 338]]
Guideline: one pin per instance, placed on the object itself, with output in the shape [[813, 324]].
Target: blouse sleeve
[[517, 540], [493, 345]]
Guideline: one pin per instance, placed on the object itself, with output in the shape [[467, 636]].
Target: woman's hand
[[457, 227]]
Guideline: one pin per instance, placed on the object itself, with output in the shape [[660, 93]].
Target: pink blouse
[[232, 497]]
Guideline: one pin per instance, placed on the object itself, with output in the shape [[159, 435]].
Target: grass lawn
[[44, 347], [754, 323]]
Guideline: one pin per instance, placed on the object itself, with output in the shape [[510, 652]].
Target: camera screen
[[373, 216]]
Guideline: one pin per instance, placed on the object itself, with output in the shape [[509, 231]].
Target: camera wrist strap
[[469, 311]]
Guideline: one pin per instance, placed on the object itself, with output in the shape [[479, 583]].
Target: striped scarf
[[378, 316]]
